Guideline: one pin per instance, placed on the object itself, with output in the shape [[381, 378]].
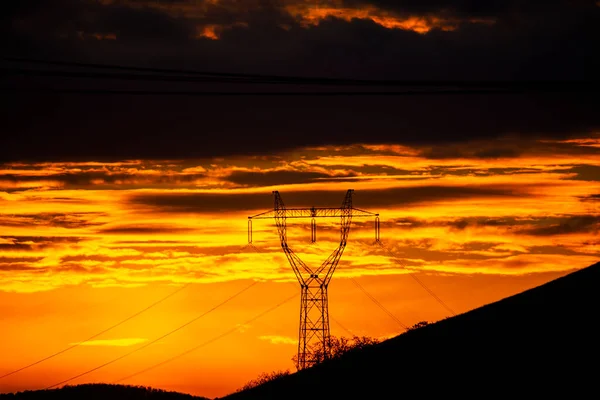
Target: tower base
[[314, 334]]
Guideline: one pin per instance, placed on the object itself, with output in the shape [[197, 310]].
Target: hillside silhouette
[[99, 392], [541, 342]]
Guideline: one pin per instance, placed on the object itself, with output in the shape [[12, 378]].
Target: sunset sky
[[85, 245], [110, 203]]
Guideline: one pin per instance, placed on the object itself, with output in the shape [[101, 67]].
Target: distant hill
[[99, 392], [542, 342]]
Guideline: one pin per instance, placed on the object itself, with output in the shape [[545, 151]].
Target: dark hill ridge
[[99, 392], [542, 342]]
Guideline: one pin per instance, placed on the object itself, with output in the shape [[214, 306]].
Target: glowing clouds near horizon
[[137, 222], [84, 245]]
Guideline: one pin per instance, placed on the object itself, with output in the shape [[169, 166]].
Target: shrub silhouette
[[337, 347], [99, 392], [418, 325], [264, 378]]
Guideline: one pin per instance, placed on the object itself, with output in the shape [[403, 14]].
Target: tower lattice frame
[[314, 307]]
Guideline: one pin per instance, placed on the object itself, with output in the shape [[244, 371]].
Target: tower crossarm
[[316, 212]]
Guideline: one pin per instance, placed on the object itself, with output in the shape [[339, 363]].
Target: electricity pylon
[[314, 310]]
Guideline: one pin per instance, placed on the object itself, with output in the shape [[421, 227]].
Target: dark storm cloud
[[539, 40], [511, 146], [33, 20], [114, 128], [257, 41], [210, 203], [471, 8]]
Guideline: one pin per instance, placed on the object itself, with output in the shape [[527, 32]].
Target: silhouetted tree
[[337, 347], [418, 325], [264, 378], [100, 392]]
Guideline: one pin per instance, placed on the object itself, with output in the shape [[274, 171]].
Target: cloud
[[392, 197], [586, 173], [543, 41], [354, 163], [123, 342], [31, 243], [274, 339], [276, 177], [492, 8], [16, 266], [464, 223], [565, 226], [243, 327], [258, 121], [10, 260], [511, 146], [66, 176], [62, 220], [476, 212], [145, 230]]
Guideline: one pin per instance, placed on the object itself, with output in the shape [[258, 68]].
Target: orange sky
[[85, 245]]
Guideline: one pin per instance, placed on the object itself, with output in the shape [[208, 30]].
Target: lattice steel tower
[[314, 310]]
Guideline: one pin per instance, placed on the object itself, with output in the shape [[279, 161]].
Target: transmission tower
[[314, 310]]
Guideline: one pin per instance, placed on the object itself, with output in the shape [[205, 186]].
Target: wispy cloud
[[275, 339]]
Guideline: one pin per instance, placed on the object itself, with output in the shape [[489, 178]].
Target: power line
[[134, 68], [433, 295], [371, 297], [257, 250], [342, 326], [374, 300], [420, 282], [249, 93], [198, 78], [208, 341], [457, 86], [155, 340], [264, 78], [130, 76], [99, 333]]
